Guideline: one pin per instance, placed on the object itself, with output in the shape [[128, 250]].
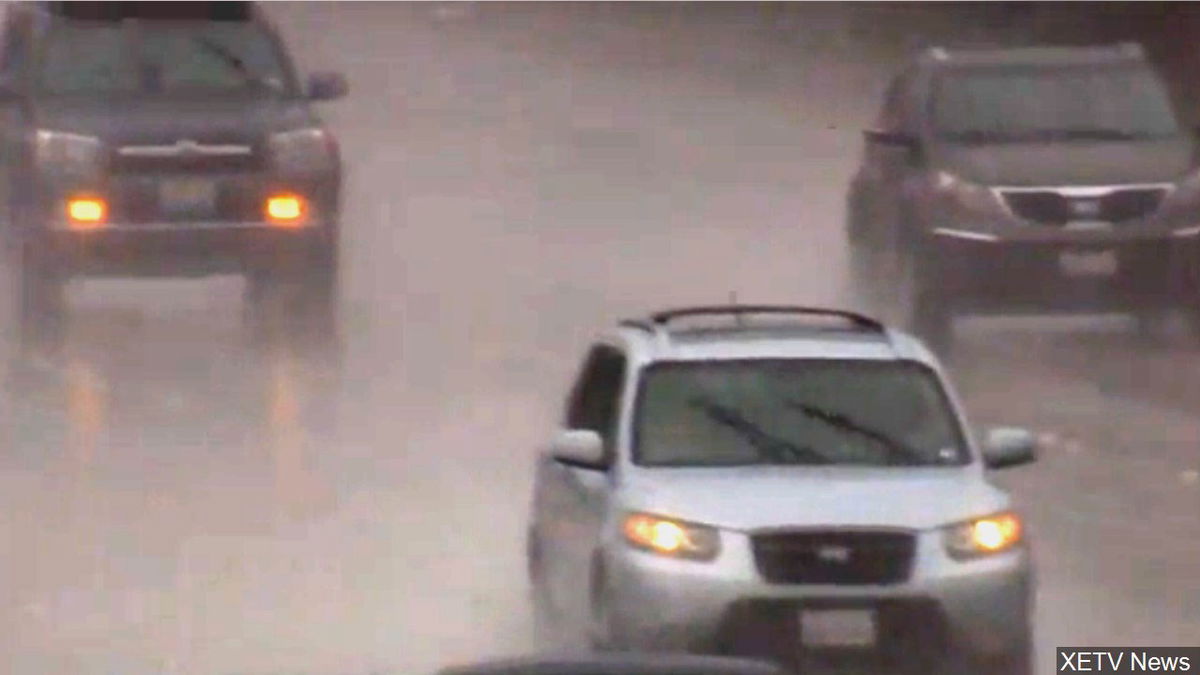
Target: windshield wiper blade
[[895, 447], [771, 448]]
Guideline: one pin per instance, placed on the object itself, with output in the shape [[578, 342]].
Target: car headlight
[[63, 152], [671, 537], [303, 150], [964, 193], [984, 536]]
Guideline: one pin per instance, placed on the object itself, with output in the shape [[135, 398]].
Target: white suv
[[755, 488]]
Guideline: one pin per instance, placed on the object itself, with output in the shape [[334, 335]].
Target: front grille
[[1050, 207], [137, 200], [843, 557], [138, 164]]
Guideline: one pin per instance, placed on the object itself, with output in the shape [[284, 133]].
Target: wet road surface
[[172, 493]]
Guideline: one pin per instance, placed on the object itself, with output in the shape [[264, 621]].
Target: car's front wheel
[[918, 300], [38, 297], [296, 299]]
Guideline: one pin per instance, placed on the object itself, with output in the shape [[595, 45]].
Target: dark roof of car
[[224, 10], [1035, 56]]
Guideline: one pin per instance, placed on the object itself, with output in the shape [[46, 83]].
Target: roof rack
[[858, 320]]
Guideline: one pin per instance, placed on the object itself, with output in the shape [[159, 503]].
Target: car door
[[577, 497]]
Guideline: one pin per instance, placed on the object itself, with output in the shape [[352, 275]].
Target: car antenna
[[737, 316]]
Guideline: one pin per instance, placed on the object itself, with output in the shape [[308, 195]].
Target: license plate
[[1097, 264], [187, 195], [837, 627]]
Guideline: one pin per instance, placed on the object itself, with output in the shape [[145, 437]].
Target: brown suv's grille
[[185, 165], [1054, 208], [834, 557]]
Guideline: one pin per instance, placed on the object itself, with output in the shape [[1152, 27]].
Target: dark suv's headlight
[[311, 150], [965, 194], [61, 152]]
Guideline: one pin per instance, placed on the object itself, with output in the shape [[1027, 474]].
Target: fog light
[[86, 212], [286, 209]]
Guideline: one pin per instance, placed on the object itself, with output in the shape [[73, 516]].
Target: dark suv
[[1031, 180], [164, 139]]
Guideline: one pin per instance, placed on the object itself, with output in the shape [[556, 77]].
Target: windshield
[[1017, 104], [795, 412], [116, 58]]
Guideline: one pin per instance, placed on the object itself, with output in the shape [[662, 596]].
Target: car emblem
[[1085, 207], [834, 554], [187, 147]]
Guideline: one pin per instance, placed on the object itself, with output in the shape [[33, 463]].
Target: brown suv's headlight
[[60, 152], [311, 150]]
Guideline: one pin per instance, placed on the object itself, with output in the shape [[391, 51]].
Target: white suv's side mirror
[[1009, 446], [581, 448]]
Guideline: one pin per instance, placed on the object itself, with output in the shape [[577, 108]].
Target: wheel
[[920, 302], [864, 254], [547, 625], [39, 300], [295, 302]]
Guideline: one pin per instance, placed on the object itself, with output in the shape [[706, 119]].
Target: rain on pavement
[[517, 177]]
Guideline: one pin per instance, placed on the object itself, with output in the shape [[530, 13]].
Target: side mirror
[[582, 448], [891, 138], [326, 86], [1004, 447]]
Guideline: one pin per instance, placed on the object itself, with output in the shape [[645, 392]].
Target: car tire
[[604, 633], [924, 309], [864, 257], [295, 302], [39, 300], [546, 622]]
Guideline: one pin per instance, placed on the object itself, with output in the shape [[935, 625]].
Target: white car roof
[[851, 336]]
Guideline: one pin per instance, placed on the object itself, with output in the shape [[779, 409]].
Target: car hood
[[765, 497], [1028, 164], [153, 121]]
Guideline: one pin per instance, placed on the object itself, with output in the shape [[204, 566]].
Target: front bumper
[[988, 268], [984, 605], [193, 249]]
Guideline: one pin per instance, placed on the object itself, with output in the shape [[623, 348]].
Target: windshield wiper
[[895, 447], [234, 61], [771, 448]]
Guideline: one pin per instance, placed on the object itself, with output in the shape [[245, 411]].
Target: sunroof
[[152, 11]]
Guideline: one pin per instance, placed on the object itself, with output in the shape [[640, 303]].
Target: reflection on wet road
[[172, 491]]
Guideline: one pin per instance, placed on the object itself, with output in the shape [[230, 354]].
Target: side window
[[595, 399]]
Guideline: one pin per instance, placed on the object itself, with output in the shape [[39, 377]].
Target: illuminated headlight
[[303, 150], [670, 537], [63, 152], [984, 536], [968, 195]]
